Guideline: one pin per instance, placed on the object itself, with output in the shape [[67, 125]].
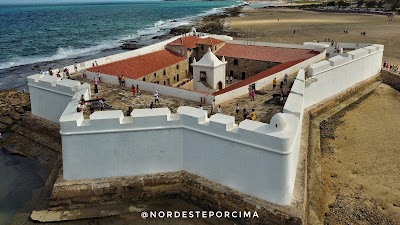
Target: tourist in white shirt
[[156, 98]]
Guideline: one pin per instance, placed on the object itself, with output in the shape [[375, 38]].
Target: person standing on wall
[[138, 90], [231, 79], [237, 109], [98, 76], [274, 84], [253, 93], [212, 107], [119, 80]]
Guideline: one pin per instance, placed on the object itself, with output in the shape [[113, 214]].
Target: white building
[[209, 69]]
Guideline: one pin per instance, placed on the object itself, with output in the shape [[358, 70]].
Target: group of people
[[229, 79], [246, 115], [58, 74], [135, 90], [121, 80], [392, 68], [284, 81], [83, 107]]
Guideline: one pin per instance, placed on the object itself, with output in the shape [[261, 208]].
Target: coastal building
[[177, 65], [204, 156]]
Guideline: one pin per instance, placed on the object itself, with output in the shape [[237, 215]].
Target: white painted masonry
[[50, 95], [252, 157], [338, 73], [213, 69]]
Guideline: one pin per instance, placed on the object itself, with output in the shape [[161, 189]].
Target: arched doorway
[[219, 85]]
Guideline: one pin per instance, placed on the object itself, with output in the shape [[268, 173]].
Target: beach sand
[[309, 26], [359, 166]]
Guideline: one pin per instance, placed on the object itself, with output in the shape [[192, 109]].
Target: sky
[[57, 1]]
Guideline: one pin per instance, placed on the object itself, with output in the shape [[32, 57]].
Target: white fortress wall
[[252, 157], [278, 45], [268, 80], [152, 87], [338, 73], [295, 105], [50, 95]]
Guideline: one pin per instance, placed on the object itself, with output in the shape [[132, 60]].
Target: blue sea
[[35, 37]]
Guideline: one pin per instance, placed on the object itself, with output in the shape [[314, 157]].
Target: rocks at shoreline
[[214, 24], [13, 105]]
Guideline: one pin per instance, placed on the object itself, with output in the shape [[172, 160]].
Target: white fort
[[252, 157]]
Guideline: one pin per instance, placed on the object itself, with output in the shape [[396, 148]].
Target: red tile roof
[[188, 42], [140, 66], [259, 76], [192, 41], [264, 53], [209, 41]]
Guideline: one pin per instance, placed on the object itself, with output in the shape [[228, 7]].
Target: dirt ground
[[360, 167], [309, 26], [121, 99]]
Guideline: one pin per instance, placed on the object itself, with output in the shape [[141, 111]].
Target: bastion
[[208, 160]]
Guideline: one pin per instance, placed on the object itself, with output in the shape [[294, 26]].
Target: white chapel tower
[[209, 69]]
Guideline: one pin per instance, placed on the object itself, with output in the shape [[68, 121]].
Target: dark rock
[[14, 115], [3, 127], [20, 110], [6, 120]]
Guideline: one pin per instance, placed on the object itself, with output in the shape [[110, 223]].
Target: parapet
[[295, 102], [339, 60], [56, 84]]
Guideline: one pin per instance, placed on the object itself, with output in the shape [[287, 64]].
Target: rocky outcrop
[[13, 104]]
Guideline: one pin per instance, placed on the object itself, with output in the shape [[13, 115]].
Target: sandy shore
[[309, 26], [359, 171]]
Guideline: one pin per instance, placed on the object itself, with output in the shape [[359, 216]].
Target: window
[[174, 78], [177, 77], [158, 82], [155, 74], [202, 47], [177, 66], [165, 73], [235, 62], [165, 83], [144, 78], [215, 48]]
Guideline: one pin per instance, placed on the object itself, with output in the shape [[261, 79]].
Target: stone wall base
[[208, 195]]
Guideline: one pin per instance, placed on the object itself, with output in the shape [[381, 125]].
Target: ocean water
[[20, 176], [32, 34]]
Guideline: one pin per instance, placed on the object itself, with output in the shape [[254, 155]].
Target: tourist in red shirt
[[133, 90]]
